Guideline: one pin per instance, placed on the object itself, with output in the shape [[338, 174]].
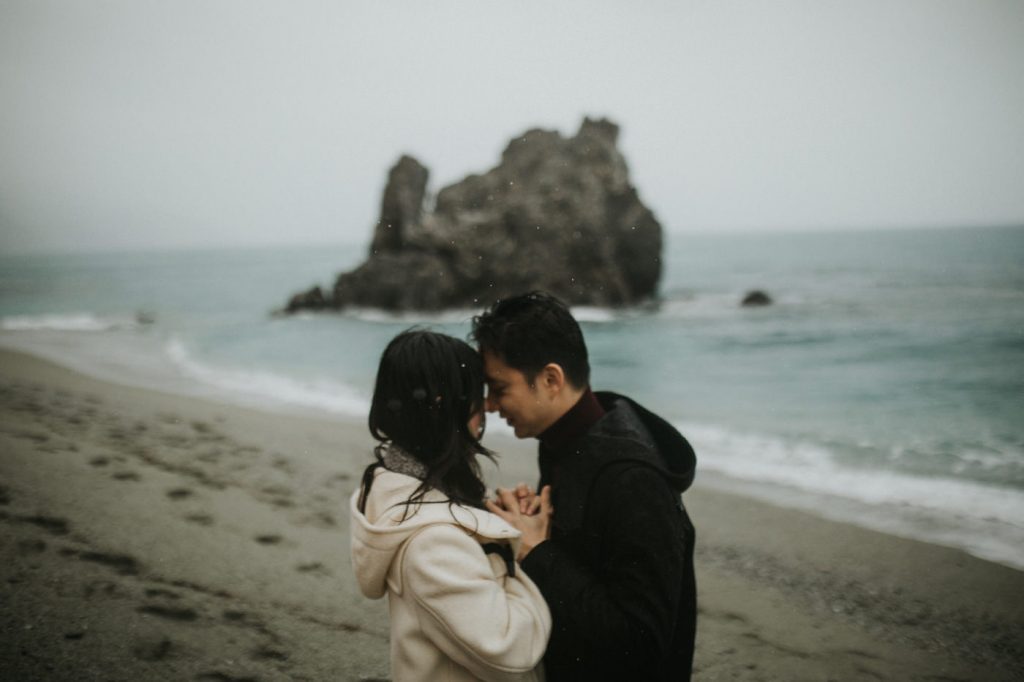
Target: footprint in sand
[[169, 612], [31, 547], [52, 525], [278, 490], [104, 588], [338, 479], [265, 653], [160, 592], [122, 563], [177, 441], [211, 457], [315, 568], [279, 496], [126, 476], [269, 539], [217, 676], [179, 493], [35, 436], [156, 649], [200, 519], [322, 519], [99, 461], [282, 464], [730, 616]]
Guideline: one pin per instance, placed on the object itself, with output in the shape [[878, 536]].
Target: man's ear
[[552, 378]]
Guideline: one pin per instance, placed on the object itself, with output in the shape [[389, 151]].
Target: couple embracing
[[593, 572]]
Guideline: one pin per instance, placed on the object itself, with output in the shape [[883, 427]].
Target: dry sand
[[149, 537]]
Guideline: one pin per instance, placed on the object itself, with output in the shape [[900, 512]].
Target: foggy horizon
[[150, 126]]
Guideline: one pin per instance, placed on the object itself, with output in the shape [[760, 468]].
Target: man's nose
[[490, 404]]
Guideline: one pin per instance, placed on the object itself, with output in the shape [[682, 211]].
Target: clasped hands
[[527, 512]]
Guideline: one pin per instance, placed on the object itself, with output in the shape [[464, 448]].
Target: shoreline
[[989, 513], [155, 535]]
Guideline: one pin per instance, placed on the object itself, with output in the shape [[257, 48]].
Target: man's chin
[[522, 432]]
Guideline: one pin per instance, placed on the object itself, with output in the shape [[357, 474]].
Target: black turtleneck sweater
[[560, 436]]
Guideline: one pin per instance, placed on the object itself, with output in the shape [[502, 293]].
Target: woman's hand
[[535, 527]]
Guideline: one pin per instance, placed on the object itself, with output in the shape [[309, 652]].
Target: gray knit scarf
[[401, 462]]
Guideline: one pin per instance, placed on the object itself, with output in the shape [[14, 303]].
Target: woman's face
[[477, 423]]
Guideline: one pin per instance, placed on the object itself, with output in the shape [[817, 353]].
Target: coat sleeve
[[496, 626], [621, 615]]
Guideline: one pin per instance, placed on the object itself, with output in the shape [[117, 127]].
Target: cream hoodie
[[456, 614]]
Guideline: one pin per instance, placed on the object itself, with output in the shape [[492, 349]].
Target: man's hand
[[529, 501], [535, 527]]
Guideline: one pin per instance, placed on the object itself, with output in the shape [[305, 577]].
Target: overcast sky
[[135, 124]]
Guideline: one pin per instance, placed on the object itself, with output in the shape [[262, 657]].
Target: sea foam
[[985, 520], [269, 388], [71, 322]]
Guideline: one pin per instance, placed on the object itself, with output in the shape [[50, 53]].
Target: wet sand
[[151, 536]]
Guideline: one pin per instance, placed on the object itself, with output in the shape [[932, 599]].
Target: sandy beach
[[148, 536]]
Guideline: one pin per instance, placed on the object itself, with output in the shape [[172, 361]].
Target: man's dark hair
[[531, 330]]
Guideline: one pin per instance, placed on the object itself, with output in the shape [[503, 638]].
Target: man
[[608, 540]]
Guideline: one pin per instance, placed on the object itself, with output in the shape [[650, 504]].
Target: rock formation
[[557, 214]]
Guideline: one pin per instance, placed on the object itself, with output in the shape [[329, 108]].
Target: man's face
[[527, 408]]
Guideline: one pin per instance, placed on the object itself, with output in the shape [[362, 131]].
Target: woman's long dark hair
[[428, 387]]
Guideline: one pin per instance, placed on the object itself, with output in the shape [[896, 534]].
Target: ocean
[[885, 385]]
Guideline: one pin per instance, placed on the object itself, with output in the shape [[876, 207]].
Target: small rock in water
[[756, 298]]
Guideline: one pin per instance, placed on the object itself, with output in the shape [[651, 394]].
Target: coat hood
[[379, 535], [643, 436], [627, 435]]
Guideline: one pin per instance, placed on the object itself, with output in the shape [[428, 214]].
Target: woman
[[460, 608]]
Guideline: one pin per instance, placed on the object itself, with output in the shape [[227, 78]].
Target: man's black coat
[[617, 572]]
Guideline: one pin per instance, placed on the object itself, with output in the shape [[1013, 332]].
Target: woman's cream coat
[[456, 614]]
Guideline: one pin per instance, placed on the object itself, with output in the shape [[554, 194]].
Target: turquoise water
[[886, 384]]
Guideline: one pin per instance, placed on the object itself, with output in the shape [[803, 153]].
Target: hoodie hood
[[661, 444], [627, 435], [379, 536]]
